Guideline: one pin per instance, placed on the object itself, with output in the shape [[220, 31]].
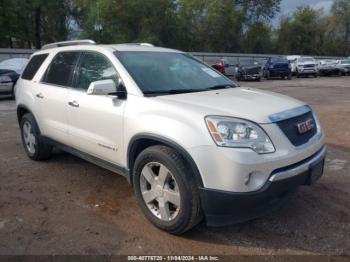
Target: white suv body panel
[[103, 126]]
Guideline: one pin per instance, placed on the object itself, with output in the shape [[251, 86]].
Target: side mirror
[[107, 87]]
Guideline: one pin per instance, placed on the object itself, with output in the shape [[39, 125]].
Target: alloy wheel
[[160, 191], [29, 138]]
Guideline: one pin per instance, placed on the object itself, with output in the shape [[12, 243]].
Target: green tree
[[341, 13], [26, 23], [302, 33], [258, 38]]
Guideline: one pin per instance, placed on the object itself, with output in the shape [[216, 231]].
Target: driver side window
[[95, 67]]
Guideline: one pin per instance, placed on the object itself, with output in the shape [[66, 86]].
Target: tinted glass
[[60, 71], [279, 60], [95, 67], [33, 66], [161, 72], [306, 59]]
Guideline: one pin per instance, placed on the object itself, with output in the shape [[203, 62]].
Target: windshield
[[278, 60], [166, 73], [247, 62], [306, 59], [15, 64]]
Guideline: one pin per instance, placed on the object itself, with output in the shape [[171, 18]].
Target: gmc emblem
[[305, 126]]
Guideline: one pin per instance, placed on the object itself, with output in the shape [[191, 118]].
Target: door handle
[[73, 103], [40, 95]]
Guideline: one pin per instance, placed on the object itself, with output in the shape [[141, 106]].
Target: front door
[[96, 121]]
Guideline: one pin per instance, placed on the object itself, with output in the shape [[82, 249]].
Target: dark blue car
[[277, 67], [10, 70]]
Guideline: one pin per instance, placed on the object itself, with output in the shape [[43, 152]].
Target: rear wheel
[[33, 143], [13, 95], [165, 190]]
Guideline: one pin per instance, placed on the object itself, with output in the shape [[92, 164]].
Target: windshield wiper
[[173, 91], [221, 87]]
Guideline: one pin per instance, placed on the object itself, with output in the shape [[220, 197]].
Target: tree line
[[190, 25]]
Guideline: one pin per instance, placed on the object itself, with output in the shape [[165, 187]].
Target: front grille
[[290, 129], [253, 71], [309, 66]]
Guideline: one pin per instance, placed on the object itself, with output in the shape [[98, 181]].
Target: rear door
[[96, 121], [52, 95]]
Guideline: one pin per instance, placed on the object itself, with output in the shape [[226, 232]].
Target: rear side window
[[33, 66], [60, 71]]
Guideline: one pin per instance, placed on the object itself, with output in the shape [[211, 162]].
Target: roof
[[140, 48], [90, 44]]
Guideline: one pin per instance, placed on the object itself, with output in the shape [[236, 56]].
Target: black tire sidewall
[[183, 180], [42, 150]]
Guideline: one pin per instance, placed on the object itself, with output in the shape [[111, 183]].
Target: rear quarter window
[[33, 66]]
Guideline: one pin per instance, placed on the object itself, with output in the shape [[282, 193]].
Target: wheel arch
[[140, 142], [22, 110]]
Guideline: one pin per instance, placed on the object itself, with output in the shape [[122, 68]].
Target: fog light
[[254, 179]]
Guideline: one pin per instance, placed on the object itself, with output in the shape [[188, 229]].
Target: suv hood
[[247, 103]]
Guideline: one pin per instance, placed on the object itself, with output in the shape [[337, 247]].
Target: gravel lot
[[69, 206]]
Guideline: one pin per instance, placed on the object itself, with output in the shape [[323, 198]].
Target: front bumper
[[307, 71], [6, 87], [251, 76], [223, 208], [280, 71]]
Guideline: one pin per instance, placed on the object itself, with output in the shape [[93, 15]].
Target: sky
[[289, 6]]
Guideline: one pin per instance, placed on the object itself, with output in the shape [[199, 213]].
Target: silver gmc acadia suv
[[192, 144]]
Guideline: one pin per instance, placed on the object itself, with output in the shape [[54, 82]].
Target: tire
[[182, 214], [34, 145], [315, 75], [13, 95], [289, 76]]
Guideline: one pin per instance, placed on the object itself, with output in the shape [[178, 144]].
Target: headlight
[[235, 132], [5, 79]]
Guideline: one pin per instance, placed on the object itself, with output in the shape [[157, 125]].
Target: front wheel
[[165, 190]]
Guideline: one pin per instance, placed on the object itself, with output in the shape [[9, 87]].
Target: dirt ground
[[69, 206]]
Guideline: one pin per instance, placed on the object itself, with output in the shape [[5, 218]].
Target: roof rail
[[69, 43], [141, 44]]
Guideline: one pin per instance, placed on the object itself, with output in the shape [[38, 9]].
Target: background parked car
[[225, 65], [344, 66], [292, 60], [10, 71], [277, 67], [220, 67], [328, 67], [248, 70], [306, 66]]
